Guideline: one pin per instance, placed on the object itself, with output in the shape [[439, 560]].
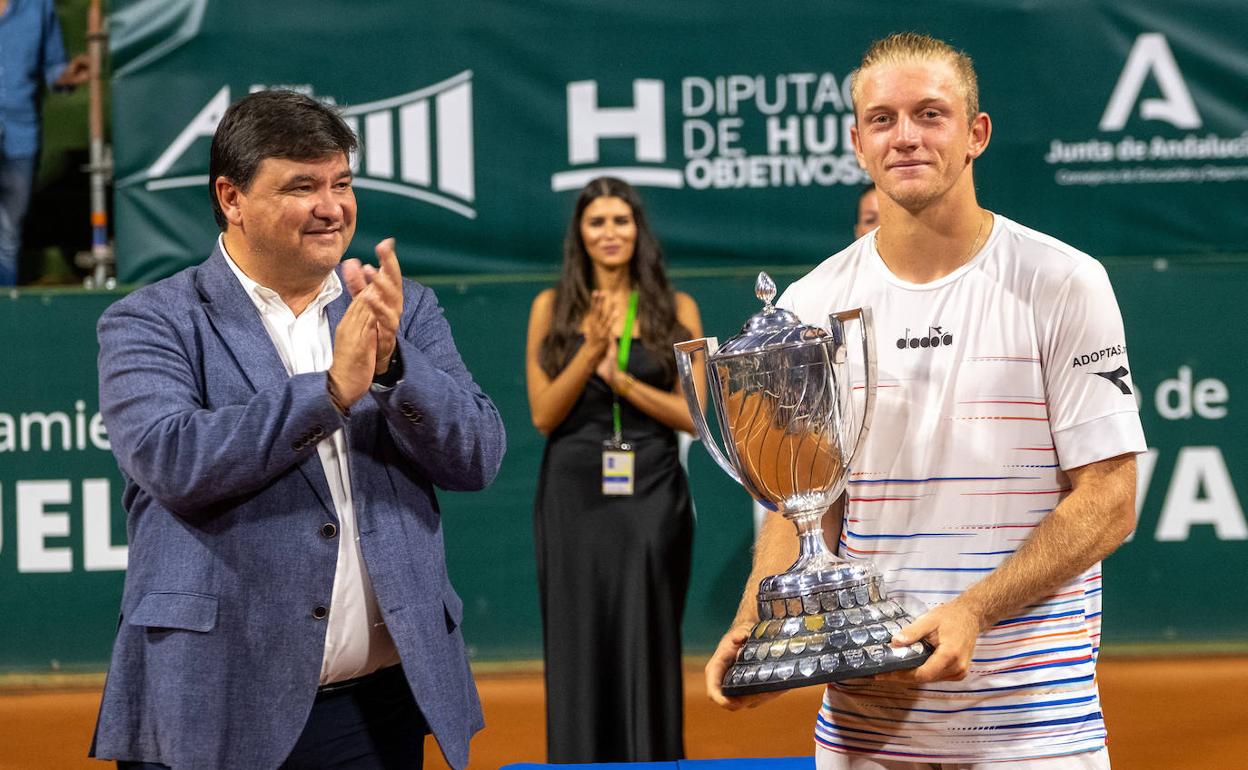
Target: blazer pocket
[[173, 609]]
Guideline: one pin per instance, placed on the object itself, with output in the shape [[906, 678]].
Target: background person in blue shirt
[[32, 56]]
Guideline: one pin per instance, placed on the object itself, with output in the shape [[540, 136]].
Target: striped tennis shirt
[[992, 381]]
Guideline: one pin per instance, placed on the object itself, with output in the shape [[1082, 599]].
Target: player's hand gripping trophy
[[782, 393]]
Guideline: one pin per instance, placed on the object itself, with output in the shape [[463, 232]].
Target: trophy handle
[[684, 366], [863, 316]]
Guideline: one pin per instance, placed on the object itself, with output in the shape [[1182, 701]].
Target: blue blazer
[[218, 655]]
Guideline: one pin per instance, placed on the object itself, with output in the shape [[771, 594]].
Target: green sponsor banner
[[1119, 126], [1179, 580], [62, 526]]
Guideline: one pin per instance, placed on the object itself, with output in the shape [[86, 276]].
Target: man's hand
[[386, 301], [952, 629], [721, 660], [355, 351], [1085, 527], [77, 72]]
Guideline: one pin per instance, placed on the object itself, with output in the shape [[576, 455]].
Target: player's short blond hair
[[908, 47]]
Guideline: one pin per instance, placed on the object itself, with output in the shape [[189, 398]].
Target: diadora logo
[[1151, 56], [417, 145], [1116, 378], [736, 131], [934, 337]]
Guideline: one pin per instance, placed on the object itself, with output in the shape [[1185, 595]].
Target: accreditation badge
[[617, 467]]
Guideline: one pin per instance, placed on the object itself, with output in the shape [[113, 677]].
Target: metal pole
[[101, 166]]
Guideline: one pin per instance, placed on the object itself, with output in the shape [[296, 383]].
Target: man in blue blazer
[[287, 601]]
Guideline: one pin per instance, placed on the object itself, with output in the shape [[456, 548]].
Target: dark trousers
[[371, 723]]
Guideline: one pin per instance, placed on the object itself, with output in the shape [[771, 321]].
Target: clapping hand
[[600, 327], [365, 339], [609, 367], [355, 352], [385, 300]]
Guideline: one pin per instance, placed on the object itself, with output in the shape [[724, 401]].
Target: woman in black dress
[[612, 568]]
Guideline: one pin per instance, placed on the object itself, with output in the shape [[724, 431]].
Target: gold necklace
[[969, 254], [975, 243]]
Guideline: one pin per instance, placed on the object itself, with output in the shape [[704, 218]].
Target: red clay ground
[[1163, 714]]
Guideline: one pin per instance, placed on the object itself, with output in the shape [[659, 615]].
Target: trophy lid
[[771, 327]]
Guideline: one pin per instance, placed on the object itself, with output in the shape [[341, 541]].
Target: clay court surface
[[1163, 714]]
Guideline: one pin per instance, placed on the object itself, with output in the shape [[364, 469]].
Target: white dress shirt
[[356, 641]]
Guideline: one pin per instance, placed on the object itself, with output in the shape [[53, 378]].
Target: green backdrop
[[1180, 579], [1120, 125]]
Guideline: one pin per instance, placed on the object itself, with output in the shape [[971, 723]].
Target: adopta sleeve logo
[[1098, 355]]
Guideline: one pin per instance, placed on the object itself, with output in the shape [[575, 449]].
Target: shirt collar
[[266, 299]]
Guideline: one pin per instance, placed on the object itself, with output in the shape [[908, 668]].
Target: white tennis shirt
[[993, 380]]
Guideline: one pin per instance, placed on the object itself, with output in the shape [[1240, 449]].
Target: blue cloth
[[32, 55], [17, 177], [222, 631]]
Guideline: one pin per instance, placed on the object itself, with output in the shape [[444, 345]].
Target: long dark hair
[[656, 300]]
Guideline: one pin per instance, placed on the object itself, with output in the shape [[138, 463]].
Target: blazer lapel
[[237, 321], [338, 307]]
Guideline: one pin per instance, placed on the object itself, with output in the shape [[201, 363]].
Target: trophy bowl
[[784, 400]]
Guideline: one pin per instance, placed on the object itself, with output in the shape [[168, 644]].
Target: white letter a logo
[[1151, 54]]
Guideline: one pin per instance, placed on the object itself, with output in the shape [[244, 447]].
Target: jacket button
[[319, 612], [318, 432], [328, 530], [297, 446], [416, 418], [407, 409]]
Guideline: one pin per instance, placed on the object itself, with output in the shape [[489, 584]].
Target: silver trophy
[[782, 394]]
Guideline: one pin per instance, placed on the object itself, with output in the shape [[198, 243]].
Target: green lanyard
[[626, 344]]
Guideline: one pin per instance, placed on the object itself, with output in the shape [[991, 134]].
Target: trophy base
[[828, 633]]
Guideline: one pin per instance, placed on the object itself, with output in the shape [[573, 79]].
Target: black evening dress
[[612, 573]]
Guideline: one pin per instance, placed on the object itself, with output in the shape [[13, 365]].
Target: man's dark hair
[[272, 124]]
